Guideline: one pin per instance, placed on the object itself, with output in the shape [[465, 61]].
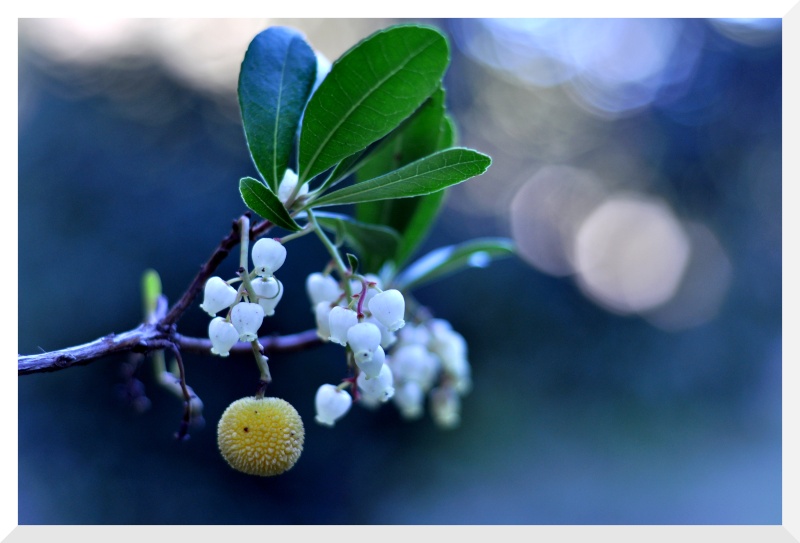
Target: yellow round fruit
[[260, 436]]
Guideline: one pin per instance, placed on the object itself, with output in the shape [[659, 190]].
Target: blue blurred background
[[626, 368]]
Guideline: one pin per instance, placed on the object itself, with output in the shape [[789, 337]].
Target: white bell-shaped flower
[[322, 312], [378, 388], [438, 326], [363, 339], [459, 375], [247, 318], [322, 288], [415, 363], [387, 338], [287, 185], [445, 407], [217, 295], [409, 398], [369, 402], [389, 308], [268, 255], [269, 292], [451, 347], [331, 404], [414, 333], [372, 367], [340, 320], [223, 336]]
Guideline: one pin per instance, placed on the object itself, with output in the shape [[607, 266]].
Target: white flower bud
[[451, 347], [378, 388], [413, 333], [287, 185], [339, 322], [463, 379], [223, 336], [269, 292], [445, 407], [372, 367], [331, 404], [369, 402], [415, 363], [322, 288], [268, 255], [217, 295], [387, 338], [363, 339], [322, 312], [437, 326], [247, 318], [389, 308], [408, 398]]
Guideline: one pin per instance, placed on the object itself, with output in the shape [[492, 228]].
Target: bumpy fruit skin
[[260, 436]]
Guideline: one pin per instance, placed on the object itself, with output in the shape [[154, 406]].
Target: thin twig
[[159, 331], [183, 431], [271, 344], [142, 339], [146, 338], [207, 270]]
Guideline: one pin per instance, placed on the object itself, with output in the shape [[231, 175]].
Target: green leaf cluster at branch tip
[[378, 118]]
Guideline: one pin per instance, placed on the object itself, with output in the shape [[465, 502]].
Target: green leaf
[[425, 176], [417, 137], [365, 239], [352, 261], [275, 81], [259, 198], [419, 221], [445, 261], [345, 168], [368, 92], [427, 131], [422, 141], [449, 132]]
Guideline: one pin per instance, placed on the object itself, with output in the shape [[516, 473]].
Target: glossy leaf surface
[[263, 201], [369, 91], [425, 176], [445, 261], [275, 81]]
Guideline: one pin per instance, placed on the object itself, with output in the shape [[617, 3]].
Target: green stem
[[244, 243], [299, 234], [261, 360], [337, 258], [244, 251], [248, 286], [159, 363]]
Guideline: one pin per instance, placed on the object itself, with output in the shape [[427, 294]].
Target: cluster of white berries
[[248, 305], [395, 361]]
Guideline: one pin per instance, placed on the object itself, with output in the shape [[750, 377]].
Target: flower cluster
[[256, 298], [430, 359], [364, 323], [391, 360]]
